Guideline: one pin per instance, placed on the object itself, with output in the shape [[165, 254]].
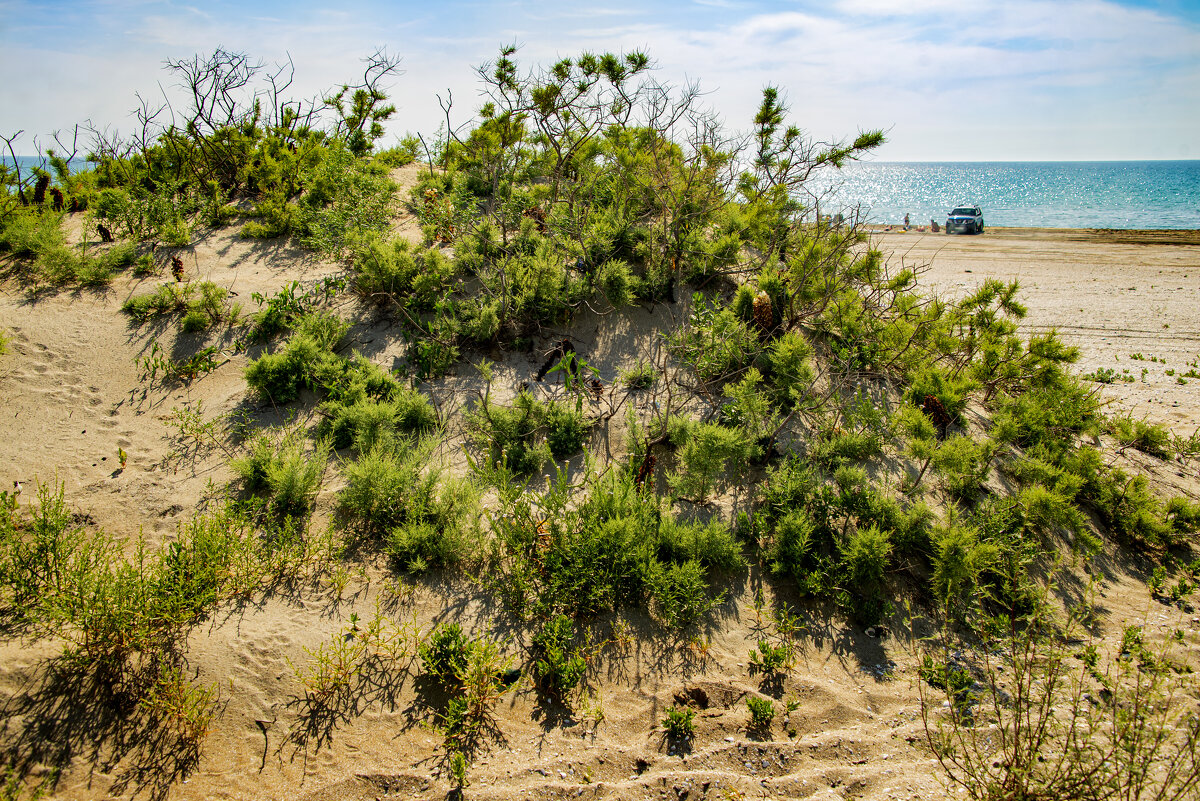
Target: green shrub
[[762, 713], [1149, 438], [950, 391], [26, 234], [395, 270], [167, 299], [1046, 418], [948, 676], [444, 655], [287, 307], [959, 563], [201, 304], [279, 377], [280, 466], [789, 367], [123, 612], [348, 199], [380, 484], [963, 465], [680, 724], [618, 547], [559, 666], [617, 283], [1048, 511], [141, 214], [793, 551], [680, 593], [470, 672], [716, 343], [524, 436], [748, 408], [424, 522], [439, 531], [707, 451], [367, 423], [642, 376], [771, 660], [1128, 508], [864, 561], [837, 448]]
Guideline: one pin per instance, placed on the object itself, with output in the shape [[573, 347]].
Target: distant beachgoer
[[933, 226], [906, 225]]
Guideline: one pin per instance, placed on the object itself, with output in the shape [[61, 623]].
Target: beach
[[75, 397], [1126, 299]]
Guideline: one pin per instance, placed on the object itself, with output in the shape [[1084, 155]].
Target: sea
[[1040, 194]]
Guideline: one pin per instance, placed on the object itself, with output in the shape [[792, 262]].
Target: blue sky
[[972, 80]]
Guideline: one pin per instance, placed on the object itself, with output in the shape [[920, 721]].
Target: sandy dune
[[72, 395]]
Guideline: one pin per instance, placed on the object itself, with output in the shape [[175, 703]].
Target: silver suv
[[967, 219]]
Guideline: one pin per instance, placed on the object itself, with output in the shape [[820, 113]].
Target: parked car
[[967, 219]]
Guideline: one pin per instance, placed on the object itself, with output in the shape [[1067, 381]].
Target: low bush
[[395, 270], [367, 423], [559, 666], [1149, 438], [762, 713], [641, 376], [524, 436], [709, 454], [201, 304], [619, 547], [280, 377], [444, 654], [422, 520], [962, 464], [680, 725], [716, 343], [788, 366], [281, 468], [283, 310], [864, 559], [470, 671]]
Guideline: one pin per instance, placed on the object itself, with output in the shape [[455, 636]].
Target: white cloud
[[1001, 80]]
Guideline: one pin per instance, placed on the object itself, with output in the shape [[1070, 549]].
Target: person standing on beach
[[906, 226]]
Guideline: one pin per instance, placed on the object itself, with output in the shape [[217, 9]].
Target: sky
[[948, 80]]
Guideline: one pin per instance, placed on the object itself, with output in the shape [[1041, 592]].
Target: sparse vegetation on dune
[[815, 420]]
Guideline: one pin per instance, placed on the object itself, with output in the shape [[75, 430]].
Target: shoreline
[[1128, 236]]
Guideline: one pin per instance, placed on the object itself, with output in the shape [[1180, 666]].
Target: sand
[[73, 396], [1113, 294]]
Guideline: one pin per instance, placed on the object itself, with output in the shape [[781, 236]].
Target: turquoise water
[[26, 162], [1061, 194], [1071, 194]]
